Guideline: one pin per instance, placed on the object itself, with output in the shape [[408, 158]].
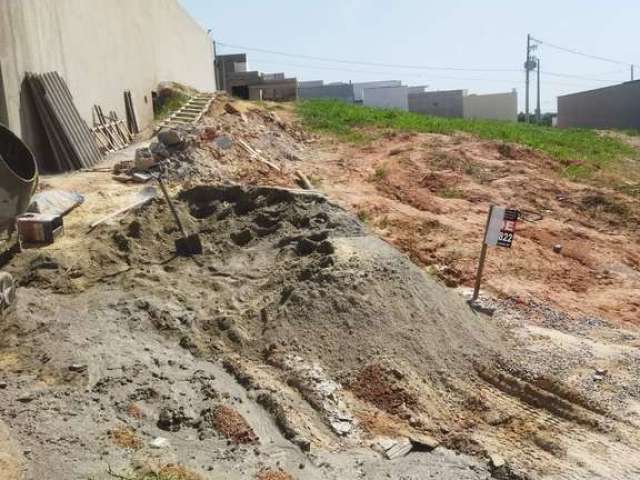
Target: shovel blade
[[191, 245]]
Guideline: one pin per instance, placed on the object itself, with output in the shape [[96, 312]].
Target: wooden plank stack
[[111, 133], [191, 112], [71, 141], [132, 119]]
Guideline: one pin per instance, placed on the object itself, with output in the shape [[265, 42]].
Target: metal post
[[483, 254], [632, 73], [538, 113], [526, 67], [216, 73]]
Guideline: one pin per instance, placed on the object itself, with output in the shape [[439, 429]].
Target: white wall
[[358, 88], [101, 48], [387, 97], [496, 106]]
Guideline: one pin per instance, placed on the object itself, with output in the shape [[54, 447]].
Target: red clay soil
[[232, 425], [380, 387], [273, 475], [429, 195]]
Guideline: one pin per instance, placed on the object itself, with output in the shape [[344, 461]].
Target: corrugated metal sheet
[[71, 141]]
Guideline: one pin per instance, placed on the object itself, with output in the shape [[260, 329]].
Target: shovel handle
[[172, 207]]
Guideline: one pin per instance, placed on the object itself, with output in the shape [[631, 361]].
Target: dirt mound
[[281, 269]]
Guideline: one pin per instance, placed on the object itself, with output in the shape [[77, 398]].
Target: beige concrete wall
[[496, 106], [101, 48], [617, 106]]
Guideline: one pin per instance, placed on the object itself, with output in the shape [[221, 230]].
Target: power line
[[373, 64], [417, 75], [577, 52], [410, 67]]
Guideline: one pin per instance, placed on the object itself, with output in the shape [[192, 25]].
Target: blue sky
[[472, 34]]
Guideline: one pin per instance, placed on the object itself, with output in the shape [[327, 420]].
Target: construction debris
[[73, 145], [110, 133], [141, 198], [55, 202], [191, 112], [37, 229], [170, 137], [132, 118], [393, 448], [7, 290]]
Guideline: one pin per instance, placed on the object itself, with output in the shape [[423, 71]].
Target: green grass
[[580, 152], [380, 173], [170, 104]]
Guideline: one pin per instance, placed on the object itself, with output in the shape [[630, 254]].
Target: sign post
[[499, 231]]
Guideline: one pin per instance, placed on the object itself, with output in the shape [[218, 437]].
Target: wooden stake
[[483, 254]]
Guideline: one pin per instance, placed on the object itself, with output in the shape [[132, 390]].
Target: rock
[[187, 343], [224, 142], [3, 385], [26, 398], [159, 442], [159, 150], [242, 238], [302, 443], [170, 137], [496, 461], [326, 247], [77, 367], [400, 448], [557, 248], [306, 246], [169, 420], [144, 159], [224, 323], [236, 336], [229, 108], [398, 150], [208, 133], [423, 441]]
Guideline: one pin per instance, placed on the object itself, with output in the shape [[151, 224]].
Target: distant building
[[458, 104], [336, 91], [492, 106], [617, 106], [226, 65], [310, 83], [386, 97], [441, 103], [359, 87], [235, 79], [279, 89]]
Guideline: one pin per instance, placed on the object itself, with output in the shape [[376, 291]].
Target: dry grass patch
[[125, 437]]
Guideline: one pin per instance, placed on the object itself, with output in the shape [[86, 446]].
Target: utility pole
[[538, 112], [526, 68], [216, 73], [530, 64]]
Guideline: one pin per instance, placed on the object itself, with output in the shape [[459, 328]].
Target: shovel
[[189, 244]]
